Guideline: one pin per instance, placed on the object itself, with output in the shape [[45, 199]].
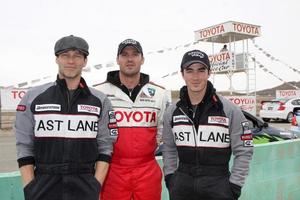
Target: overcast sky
[[29, 30]]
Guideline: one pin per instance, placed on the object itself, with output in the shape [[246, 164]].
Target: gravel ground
[[8, 155]]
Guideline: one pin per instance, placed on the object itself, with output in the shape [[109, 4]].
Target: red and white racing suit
[[134, 172]]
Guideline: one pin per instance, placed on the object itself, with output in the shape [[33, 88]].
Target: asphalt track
[[8, 158]]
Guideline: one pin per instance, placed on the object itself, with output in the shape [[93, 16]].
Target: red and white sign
[[223, 61], [227, 27], [10, 98], [286, 94], [143, 117], [246, 103]]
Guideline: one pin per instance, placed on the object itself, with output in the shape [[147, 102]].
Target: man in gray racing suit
[[200, 133], [65, 132]]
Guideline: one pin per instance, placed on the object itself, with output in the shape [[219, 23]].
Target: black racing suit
[[198, 145], [63, 137]]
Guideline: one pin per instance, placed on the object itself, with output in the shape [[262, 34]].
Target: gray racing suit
[[198, 145], [64, 136]]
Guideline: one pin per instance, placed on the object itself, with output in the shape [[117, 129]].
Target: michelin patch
[[246, 137]]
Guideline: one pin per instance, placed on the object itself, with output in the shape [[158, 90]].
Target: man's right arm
[[169, 150], [24, 132]]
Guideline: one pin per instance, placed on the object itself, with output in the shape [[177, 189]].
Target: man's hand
[[101, 171], [27, 174]]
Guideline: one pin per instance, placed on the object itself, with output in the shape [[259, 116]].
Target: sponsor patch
[[135, 117], [147, 100], [21, 108], [112, 116], [116, 99], [246, 137], [143, 95], [151, 91], [114, 132], [207, 136], [112, 126], [180, 118], [246, 126], [247, 131], [140, 117], [47, 107], [147, 93], [88, 109], [248, 143], [66, 126], [218, 120]]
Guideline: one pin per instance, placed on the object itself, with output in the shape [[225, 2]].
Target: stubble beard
[[70, 75], [129, 73]]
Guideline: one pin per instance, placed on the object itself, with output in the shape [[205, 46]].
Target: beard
[[130, 72]]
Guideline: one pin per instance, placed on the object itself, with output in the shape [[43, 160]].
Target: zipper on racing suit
[[194, 131], [70, 102]]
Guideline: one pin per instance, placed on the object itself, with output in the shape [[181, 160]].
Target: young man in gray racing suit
[[200, 133], [65, 132]]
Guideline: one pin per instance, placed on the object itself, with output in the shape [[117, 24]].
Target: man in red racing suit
[[139, 106]]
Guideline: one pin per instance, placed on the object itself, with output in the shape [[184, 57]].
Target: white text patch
[[66, 126], [47, 107]]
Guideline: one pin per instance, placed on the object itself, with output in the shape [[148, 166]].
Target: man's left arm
[[107, 135], [242, 149]]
